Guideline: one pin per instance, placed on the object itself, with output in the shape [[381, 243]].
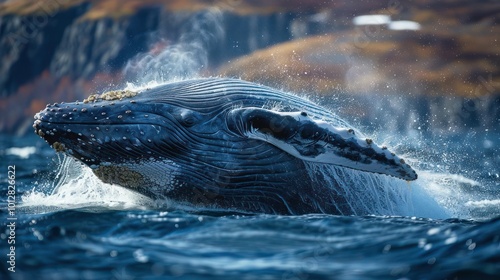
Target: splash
[[461, 196], [453, 167], [76, 187], [378, 194], [433, 195]]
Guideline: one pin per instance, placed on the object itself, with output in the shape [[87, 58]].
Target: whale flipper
[[318, 141]]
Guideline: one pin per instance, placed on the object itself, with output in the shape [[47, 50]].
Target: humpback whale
[[220, 143]]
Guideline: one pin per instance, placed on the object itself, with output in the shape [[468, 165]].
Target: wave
[[76, 187]]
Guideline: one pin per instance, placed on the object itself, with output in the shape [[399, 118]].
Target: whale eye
[[188, 118], [188, 121]]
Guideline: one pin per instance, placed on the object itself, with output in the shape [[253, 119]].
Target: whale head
[[124, 136], [204, 133]]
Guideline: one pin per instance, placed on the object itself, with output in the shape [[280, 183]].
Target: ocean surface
[[69, 225]]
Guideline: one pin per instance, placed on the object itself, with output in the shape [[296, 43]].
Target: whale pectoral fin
[[317, 141]]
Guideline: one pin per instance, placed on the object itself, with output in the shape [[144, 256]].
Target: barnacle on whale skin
[[111, 95], [59, 147]]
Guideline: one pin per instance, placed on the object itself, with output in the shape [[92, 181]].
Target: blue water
[[70, 226]]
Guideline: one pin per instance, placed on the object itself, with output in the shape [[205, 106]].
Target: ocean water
[[69, 225]]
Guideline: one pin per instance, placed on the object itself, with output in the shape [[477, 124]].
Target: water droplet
[[139, 256]]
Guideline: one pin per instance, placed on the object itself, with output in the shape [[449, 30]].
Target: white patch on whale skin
[[330, 156]]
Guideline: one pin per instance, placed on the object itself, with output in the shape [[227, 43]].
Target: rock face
[[62, 50], [28, 44]]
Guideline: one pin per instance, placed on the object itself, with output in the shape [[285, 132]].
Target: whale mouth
[[114, 128], [95, 133], [69, 138]]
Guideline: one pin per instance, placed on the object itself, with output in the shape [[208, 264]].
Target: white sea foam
[[380, 194], [484, 203], [459, 194], [76, 187]]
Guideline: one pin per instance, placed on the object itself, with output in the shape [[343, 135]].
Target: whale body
[[221, 144]]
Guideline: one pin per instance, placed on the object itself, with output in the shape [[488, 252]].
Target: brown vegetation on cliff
[[117, 8], [444, 57]]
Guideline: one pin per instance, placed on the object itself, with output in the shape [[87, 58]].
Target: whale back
[[213, 95]]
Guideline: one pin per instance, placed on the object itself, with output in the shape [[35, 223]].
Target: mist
[[186, 58]]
